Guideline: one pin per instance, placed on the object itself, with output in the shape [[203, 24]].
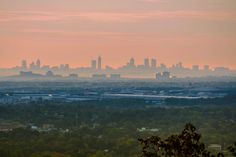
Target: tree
[[186, 144], [232, 149]]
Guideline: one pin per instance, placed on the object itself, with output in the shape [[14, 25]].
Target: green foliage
[[100, 154], [186, 144], [232, 149], [95, 126]]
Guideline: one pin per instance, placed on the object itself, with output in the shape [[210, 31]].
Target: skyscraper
[[93, 64], [195, 67], [153, 63], [179, 65], [99, 63], [38, 63], [24, 64], [132, 62], [67, 67], [32, 66], [146, 63], [206, 67]]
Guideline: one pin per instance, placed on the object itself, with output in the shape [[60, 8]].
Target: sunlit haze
[[76, 31], [117, 78]]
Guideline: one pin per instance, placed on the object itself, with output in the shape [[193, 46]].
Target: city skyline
[[111, 78], [99, 64], [188, 31], [149, 68], [115, 63]]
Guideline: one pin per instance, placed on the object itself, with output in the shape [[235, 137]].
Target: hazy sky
[[76, 31]]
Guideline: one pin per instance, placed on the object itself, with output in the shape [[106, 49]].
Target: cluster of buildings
[[148, 64], [163, 76], [24, 98], [51, 75], [96, 65], [149, 69]]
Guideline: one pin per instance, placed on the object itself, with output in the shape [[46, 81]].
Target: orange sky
[[76, 31]]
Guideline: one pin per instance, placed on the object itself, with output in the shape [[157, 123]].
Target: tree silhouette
[[232, 149], [186, 144]]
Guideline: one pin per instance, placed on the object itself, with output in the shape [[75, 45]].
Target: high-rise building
[[38, 63], [49, 74], [206, 67], [132, 62], [67, 66], [179, 65], [163, 66], [99, 63], [146, 63], [153, 63], [24, 64], [164, 76], [93, 64], [195, 67], [62, 67], [32, 66]]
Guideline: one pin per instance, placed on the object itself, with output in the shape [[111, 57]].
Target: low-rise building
[[99, 76]]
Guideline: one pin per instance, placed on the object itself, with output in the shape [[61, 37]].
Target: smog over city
[[117, 78]]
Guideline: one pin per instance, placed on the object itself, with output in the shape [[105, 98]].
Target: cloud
[[8, 16], [154, 1], [70, 33]]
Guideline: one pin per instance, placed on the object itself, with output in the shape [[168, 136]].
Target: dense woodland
[[110, 127]]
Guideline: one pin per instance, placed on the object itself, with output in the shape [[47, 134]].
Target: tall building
[[153, 63], [99, 63], [67, 66], [195, 67], [62, 67], [163, 66], [146, 63], [206, 67], [38, 63], [179, 65], [93, 64], [132, 62], [32, 66], [24, 64], [164, 76], [49, 74]]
